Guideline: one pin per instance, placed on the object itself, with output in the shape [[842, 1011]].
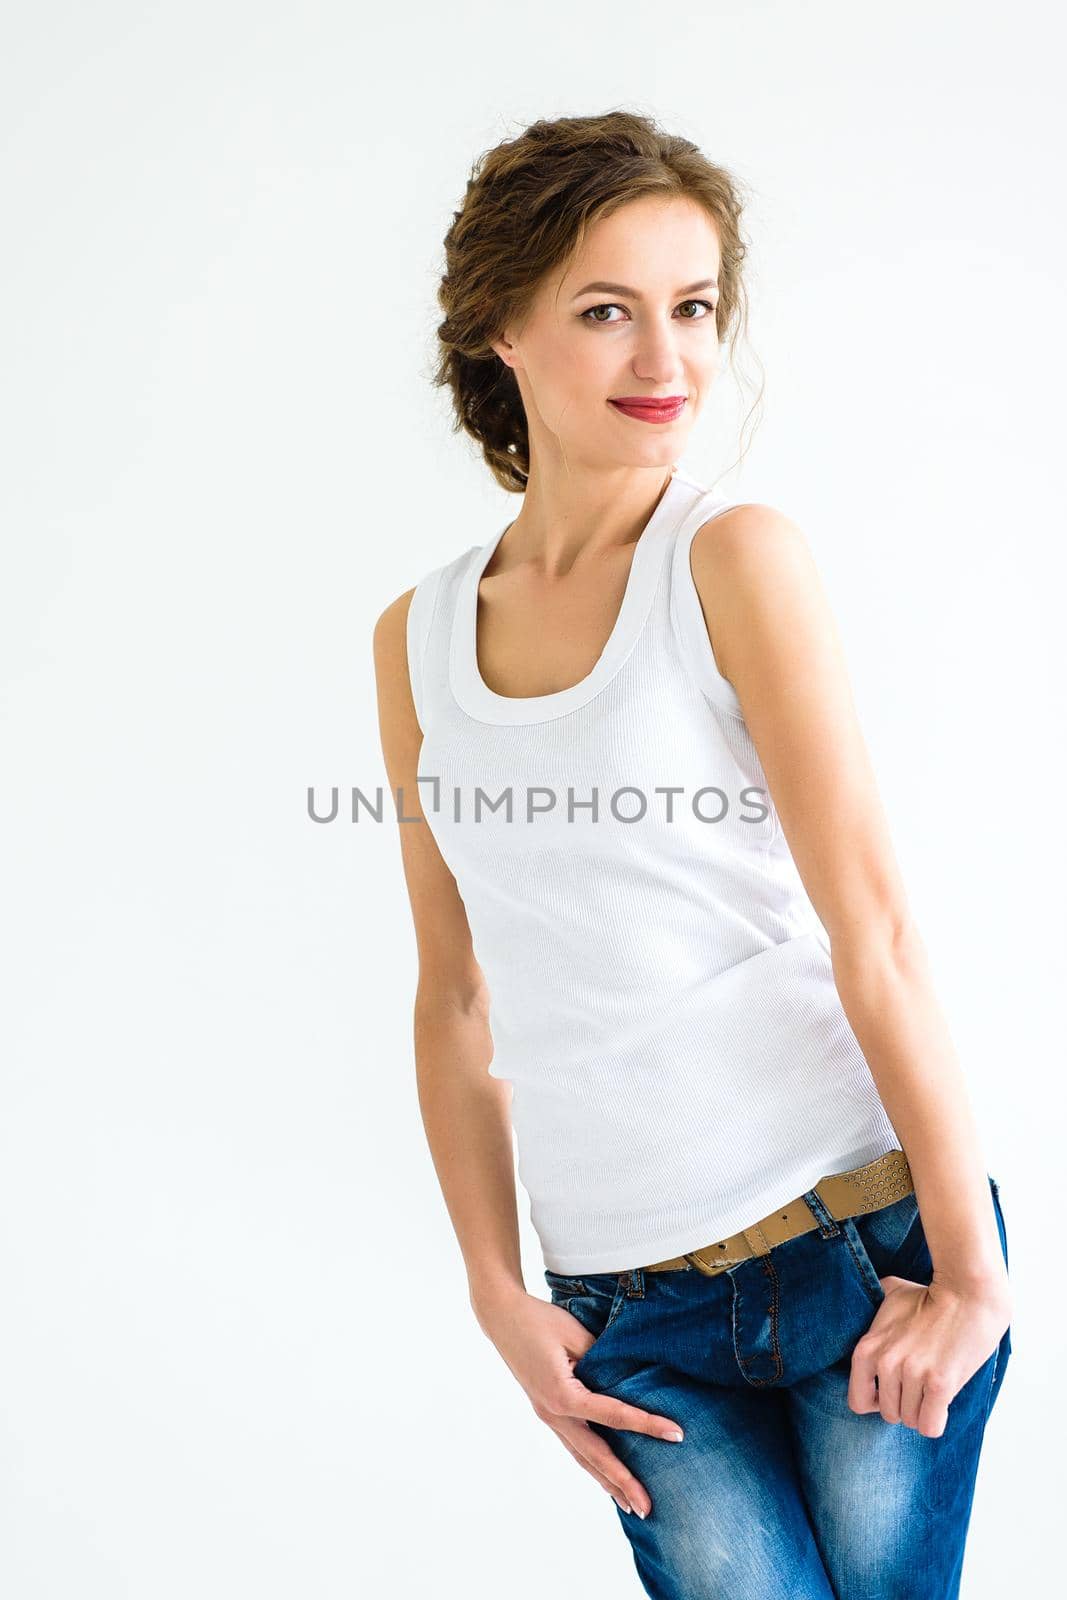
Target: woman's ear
[[505, 350]]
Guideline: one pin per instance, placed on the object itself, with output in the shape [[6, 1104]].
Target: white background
[[236, 1352]]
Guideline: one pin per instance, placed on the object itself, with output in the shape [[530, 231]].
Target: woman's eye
[[591, 314]]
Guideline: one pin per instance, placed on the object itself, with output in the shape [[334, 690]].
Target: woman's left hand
[[924, 1344]]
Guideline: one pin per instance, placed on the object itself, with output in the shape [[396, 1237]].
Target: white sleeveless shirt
[[661, 994]]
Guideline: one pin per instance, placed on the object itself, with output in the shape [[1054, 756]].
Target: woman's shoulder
[[742, 531], [753, 573], [745, 550]]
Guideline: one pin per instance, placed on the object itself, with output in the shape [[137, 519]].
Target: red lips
[[646, 410]]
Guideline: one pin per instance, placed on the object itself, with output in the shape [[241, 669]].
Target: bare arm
[[465, 1112], [777, 642]]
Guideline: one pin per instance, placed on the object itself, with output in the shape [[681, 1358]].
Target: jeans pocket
[[563, 1288], [884, 1243], [894, 1241], [595, 1300], [866, 1271]]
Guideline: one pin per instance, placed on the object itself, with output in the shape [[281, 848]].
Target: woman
[[655, 893]]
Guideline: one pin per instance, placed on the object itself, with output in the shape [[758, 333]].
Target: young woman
[[662, 934]]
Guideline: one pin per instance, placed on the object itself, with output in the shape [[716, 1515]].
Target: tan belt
[[844, 1194]]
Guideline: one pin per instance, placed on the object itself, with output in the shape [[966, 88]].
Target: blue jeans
[[779, 1491]]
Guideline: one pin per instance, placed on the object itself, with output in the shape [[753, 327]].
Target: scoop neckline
[[470, 688]]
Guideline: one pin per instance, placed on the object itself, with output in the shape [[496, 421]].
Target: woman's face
[[647, 329]]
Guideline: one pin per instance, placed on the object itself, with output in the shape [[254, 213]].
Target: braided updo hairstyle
[[528, 205]]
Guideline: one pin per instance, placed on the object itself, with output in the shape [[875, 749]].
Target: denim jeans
[[779, 1491]]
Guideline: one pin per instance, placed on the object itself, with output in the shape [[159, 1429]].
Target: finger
[[911, 1395], [612, 1413], [605, 1483], [933, 1413], [587, 1444], [890, 1390], [862, 1392]]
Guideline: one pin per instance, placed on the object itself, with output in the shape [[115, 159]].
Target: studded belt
[[844, 1194]]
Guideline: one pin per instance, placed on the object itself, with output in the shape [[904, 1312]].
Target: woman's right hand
[[541, 1343]]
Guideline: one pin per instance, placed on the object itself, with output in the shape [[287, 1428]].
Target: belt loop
[[757, 1240], [635, 1283], [828, 1226]]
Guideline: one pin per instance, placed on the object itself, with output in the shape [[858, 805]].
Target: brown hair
[[527, 208]]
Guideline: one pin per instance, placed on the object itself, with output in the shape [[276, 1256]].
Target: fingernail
[[642, 1515], [627, 1509], [677, 1435]]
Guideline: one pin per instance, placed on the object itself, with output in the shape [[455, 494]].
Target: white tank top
[[661, 994]]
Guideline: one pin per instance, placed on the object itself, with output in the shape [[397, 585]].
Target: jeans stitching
[[746, 1361], [829, 1227], [875, 1299], [619, 1301]]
